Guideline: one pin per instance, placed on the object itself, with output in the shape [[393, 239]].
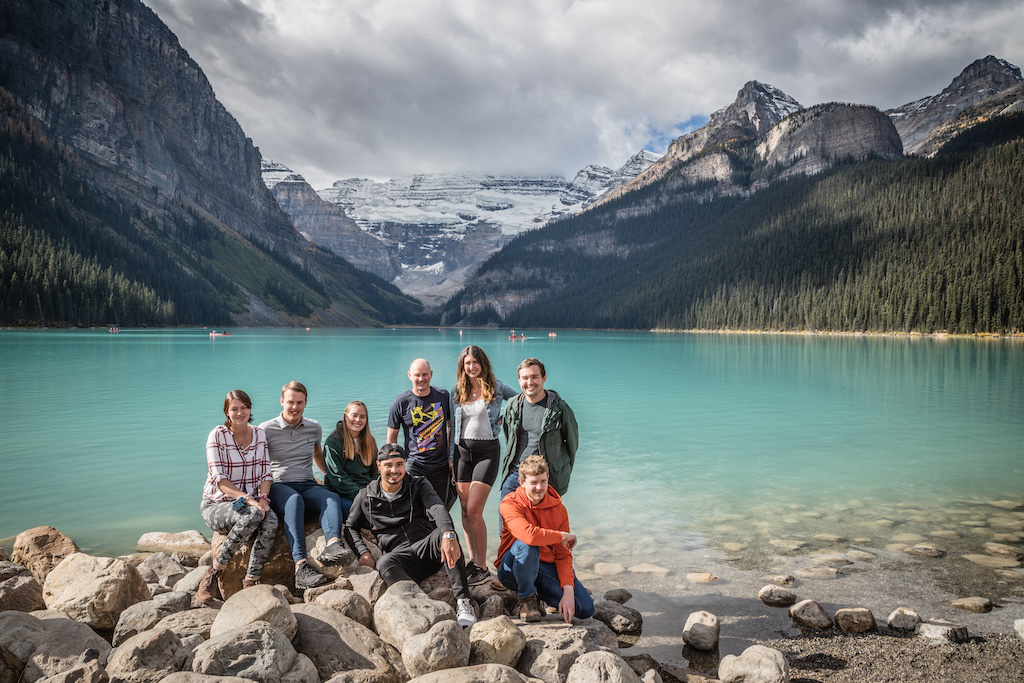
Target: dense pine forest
[[70, 256], [926, 245]]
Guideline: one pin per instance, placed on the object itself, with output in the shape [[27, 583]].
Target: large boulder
[[552, 646], [280, 568], [161, 568], [702, 631], [444, 646], [481, 673], [903, 619], [84, 672], [855, 620], [19, 590], [348, 603], [147, 657], [756, 664], [20, 634], [601, 667], [94, 590], [259, 652], [41, 549], [256, 603], [60, 648], [144, 615], [337, 644], [940, 629], [190, 622], [367, 583], [192, 677], [496, 641], [189, 542], [405, 611], [190, 582], [776, 596]]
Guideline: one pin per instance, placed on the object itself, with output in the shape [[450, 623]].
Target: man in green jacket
[[538, 421]]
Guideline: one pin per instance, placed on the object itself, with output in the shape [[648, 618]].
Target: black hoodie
[[412, 516]]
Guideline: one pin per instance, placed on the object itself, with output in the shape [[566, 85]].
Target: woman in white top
[[235, 498], [477, 399]]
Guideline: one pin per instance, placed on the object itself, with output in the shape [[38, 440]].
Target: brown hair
[[236, 395], [295, 386], [532, 361], [534, 466], [464, 386], [367, 444]]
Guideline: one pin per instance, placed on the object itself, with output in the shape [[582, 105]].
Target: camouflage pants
[[241, 527]]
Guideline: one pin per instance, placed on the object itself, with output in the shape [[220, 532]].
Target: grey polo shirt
[[291, 448]]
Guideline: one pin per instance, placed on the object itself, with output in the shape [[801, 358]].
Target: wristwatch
[[449, 536]]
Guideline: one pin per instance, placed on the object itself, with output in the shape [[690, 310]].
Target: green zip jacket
[[558, 442]]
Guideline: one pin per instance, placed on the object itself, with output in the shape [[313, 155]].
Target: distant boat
[[215, 333], [552, 334]]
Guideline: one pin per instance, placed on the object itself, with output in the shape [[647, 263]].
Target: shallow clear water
[[685, 438]]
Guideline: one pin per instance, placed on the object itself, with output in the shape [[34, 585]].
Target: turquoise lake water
[[685, 438]]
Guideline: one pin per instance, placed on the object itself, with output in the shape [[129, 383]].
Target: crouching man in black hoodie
[[413, 528]]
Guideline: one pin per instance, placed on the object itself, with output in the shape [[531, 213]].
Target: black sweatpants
[[418, 561]]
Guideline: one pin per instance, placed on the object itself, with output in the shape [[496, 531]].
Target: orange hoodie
[[537, 525]]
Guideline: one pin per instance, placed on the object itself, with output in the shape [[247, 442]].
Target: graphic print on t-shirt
[[427, 423]]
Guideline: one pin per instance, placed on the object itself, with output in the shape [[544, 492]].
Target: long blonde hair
[[464, 385], [367, 444]]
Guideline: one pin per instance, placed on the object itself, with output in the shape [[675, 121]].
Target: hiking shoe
[[307, 577], [337, 553], [249, 582], [209, 588], [477, 575], [464, 613], [497, 585], [527, 609]]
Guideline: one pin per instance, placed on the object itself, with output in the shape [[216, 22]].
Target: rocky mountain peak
[[757, 107], [997, 74]]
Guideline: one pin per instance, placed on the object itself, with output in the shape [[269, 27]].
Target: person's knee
[[585, 608], [523, 552], [270, 522]]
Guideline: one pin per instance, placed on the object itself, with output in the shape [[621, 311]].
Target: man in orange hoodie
[[535, 553]]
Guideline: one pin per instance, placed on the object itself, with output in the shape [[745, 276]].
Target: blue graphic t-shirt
[[424, 423]]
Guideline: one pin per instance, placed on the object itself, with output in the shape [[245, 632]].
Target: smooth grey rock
[[756, 664], [702, 631], [480, 673], [903, 619], [810, 613], [192, 677], [336, 644], [40, 549], [855, 620], [601, 667], [258, 651], [781, 580], [21, 593], [189, 542], [94, 590], [1018, 627], [367, 582], [619, 618], [496, 641], [552, 647], [817, 572], [190, 622], [86, 672], [20, 634], [927, 550], [405, 611], [619, 595], [256, 603], [339, 584], [444, 646], [776, 596], [940, 629], [60, 648], [147, 657], [349, 603], [162, 569], [140, 617], [190, 582]]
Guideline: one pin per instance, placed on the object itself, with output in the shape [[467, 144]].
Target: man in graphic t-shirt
[[424, 415], [538, 421]]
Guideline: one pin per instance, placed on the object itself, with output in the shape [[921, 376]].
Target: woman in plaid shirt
[[235, 498]]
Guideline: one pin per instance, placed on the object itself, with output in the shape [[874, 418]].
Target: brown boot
[[209, 589], [527, 610], [250, 581]]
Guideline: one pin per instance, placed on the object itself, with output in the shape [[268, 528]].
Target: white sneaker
[[464, 613]]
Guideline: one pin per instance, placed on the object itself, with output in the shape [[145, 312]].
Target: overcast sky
[[389, 88]]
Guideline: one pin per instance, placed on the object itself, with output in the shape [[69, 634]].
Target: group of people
[[402, 493]]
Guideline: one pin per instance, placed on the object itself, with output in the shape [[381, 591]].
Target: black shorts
[[477, 460]]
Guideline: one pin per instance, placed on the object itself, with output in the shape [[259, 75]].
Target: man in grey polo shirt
[[294, 445]]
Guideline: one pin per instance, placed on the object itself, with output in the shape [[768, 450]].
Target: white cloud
[[390, 88]]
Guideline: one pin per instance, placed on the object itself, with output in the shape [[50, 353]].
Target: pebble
[[992, 561], [975, 604], [859, 555], [608, 568], [829, 538], [781, 580], [908, 538], [701, 577], [787, 544], [1002, 550], [927, 550], [1008, 504], [649, 569], [734, 547], [776, 596], [817, 572]]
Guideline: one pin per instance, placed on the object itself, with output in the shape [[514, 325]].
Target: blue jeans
[[290, 500], [510, 484], [522, 571]]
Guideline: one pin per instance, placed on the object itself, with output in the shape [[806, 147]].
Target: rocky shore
[[69, 616]]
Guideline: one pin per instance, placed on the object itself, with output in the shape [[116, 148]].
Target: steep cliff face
[[755, 110], [918, 121], [110, 79], [812, 140], [325, 224]]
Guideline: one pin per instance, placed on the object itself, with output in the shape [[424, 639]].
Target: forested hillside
[[71, 256], [881, 246]]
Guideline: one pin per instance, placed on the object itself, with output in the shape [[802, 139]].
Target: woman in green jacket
[[350, 452]]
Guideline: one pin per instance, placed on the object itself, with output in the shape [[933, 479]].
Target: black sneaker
[[477, 575], [307, 577], [337, 553]]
